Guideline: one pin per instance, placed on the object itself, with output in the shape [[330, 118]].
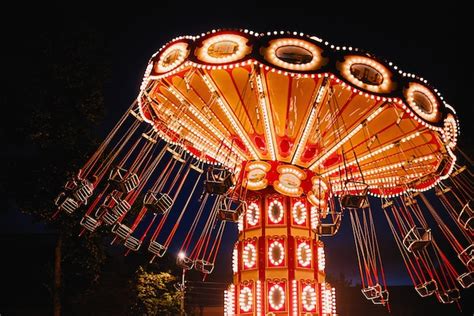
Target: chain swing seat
[[427, 288], [89, 223], [157, 249], [382, 299], [118, 210], [466, 217], [372, 292], [185, 262], [158, 202], [448, 296], [355, 197], [218, 180], [83, 191], [66, 203], [122, 230], [230, 209], [122, 180], [329, 229], [203, 266], [417, 239], [132, 243], [467, 256], [466, 279]]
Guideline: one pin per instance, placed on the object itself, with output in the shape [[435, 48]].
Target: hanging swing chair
[[203, 266], [427, 288], [467, 256], [448, 296], [218, 180], [158, 202], [124, 181], [66, 203], [185, 262], [355, 195], [382, 299], [83, 191], [466, 279], [329, 229], [122, 230], [132, 243], [157, 249], [89, 223], [230, 208], [417, 238], [466, 217], [372, 292], [120, 207]]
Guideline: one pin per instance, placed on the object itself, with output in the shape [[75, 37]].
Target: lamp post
[[182, 286]]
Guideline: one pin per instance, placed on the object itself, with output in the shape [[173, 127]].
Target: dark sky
[[419, 41]]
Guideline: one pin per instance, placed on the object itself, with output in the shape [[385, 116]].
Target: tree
[[56, 100], [155, 294]]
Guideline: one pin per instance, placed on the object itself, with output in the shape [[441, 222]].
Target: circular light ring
[[293, 54], [299, 212], [308, 297], [256, 175], [289, 181], [253, 214], [450, 131], [304, 250], [274, 247], [275, 219], [276, 297], [366, 73], [245, 299], [172, 57], [423, 102], [223, 48], [249, 255]]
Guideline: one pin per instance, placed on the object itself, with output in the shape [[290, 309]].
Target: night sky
[[419, 42]]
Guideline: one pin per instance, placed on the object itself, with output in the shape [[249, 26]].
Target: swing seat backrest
[[89, 223], [466, 279], [69, 205], [157, 249], [132, 243], [122, 230], [83, 191]]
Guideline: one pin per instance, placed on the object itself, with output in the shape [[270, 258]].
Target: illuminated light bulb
[[259, 298], [321, 258], [235, 258]]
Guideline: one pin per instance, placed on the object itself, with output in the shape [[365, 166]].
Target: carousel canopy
[[335, 112]]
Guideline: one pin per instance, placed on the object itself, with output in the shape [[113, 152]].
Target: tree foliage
[[57, 101], [155, 294]]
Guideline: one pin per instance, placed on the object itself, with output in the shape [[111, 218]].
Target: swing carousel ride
[[282, 134]]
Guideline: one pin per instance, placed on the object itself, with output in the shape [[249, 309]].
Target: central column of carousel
[[278, 260]]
